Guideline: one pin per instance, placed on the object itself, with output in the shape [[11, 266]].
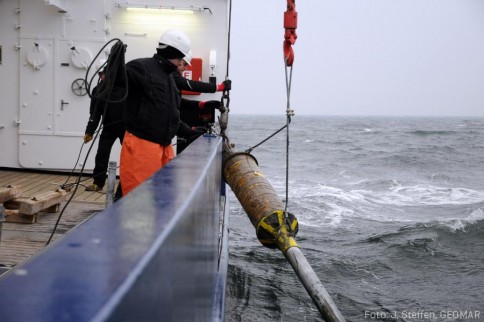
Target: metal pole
[[313, 285], [111, 182]]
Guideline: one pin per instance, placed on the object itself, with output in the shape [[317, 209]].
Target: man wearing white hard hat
[[152, 113]]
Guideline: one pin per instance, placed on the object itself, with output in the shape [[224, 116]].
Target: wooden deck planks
[[20, 241], [36, 183]]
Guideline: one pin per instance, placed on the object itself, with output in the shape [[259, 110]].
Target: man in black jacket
[[152, 115]]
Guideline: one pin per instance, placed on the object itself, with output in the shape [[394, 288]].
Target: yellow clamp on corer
[[274, 231]]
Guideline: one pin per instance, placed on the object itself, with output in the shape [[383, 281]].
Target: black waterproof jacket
[[152, 107]]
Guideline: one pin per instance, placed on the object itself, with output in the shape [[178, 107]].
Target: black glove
[[227, 85], [210, 105]]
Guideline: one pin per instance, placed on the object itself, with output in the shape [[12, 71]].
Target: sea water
[[391, 218]]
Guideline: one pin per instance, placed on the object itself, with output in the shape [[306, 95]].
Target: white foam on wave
[[317, 216], [326, 205], [461, 224], [425, 194]]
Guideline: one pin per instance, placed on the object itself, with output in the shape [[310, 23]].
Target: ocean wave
[[463, 224], [432, 132], [421, 233], [438, 239]]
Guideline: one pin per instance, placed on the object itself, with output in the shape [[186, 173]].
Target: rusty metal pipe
[[255, 193]]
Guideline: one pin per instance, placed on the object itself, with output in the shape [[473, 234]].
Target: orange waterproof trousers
[[140, 159]]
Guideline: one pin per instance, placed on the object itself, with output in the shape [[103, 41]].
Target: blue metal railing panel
[[152, 256]]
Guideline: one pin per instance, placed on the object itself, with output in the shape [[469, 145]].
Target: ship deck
[[20, 241]]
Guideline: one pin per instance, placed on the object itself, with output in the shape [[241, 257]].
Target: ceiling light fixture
[[159, 8]]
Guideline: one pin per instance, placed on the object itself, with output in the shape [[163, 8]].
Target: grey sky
[[361, 57]]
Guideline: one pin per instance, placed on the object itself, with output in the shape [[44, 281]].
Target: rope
[[263, 141], [289, 113]]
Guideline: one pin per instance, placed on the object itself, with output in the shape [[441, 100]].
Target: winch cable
[[228, 41], [289, 113], [111, 68], [223, 119], [290, 36], [265, 140], [223, 123], [225, 100]]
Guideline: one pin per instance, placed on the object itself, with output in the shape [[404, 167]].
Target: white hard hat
[[176, 39], [188, 58]]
